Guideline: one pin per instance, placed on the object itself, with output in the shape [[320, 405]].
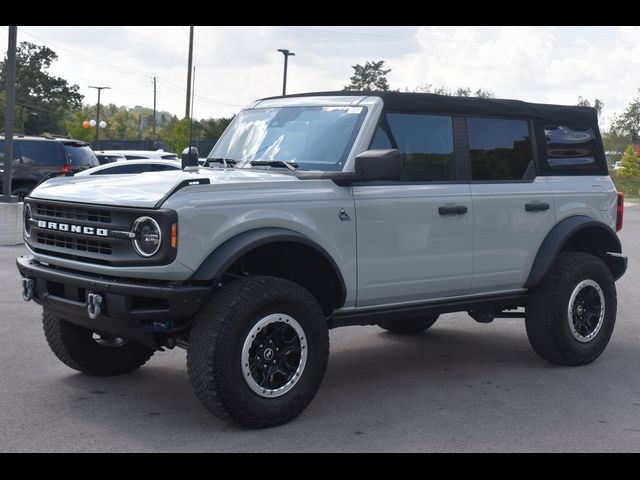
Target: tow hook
[[27, 288], [94, 303]]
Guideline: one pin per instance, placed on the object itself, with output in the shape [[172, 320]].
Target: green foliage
[[628, 124], [629, 164], [597, 104], [176, 134], [369, 77], [629, 186], [42, 100], [458, 92]]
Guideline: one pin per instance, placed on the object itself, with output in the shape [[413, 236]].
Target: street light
[[286, 54], [98, 116]]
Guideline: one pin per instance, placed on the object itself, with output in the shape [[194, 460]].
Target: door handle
[[536, 207], [456, 210]]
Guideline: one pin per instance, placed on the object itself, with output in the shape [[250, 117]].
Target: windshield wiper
[[226, 162], [292, 166]]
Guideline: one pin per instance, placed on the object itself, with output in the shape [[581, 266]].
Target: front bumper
[[133, 310]]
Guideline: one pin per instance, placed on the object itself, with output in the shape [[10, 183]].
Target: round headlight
[[26, 212], [147, 236]]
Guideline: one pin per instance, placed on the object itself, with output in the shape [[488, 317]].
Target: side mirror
[[190, 157], [379, 165]]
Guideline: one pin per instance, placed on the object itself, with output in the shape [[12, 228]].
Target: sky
[[236, 65]]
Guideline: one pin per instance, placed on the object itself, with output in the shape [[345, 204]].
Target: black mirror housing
[[190, 157], [379, 165]]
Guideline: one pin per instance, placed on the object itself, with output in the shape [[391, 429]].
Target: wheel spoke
[[273, 355]]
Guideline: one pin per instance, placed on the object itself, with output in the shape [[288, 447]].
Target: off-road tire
[[547, 316], [410, 326], [217, 339], [76, 348]]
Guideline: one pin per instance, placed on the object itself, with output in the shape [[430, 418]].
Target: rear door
[[415, 237], [513, 207]]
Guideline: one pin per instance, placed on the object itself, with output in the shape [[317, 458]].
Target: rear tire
[[572, 312], [82, 350], [258, 351], [410, 326]]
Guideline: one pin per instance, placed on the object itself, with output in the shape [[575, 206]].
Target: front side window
[[573, 147], [315, 138], [426, 143], [500, 149]]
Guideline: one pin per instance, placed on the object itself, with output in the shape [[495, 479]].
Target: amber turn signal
[[174, 235]]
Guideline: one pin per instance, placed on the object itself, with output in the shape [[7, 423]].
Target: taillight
[[619, 211], [65, 169]]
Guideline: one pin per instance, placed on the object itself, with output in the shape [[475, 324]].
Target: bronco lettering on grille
[[67, 227]]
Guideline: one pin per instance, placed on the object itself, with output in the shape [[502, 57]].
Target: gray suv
[[326, 210]]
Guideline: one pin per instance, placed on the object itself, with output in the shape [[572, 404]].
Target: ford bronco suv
[[325, 210]]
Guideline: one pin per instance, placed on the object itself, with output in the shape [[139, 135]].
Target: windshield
[[314, 138]]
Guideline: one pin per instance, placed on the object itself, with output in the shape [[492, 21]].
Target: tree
[[628, 124], [597, 104], [370, 78], [458, 92], [629, 163], [176, 134], [42, 100]]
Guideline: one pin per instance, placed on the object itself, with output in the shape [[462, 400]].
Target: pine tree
[[629, 163]]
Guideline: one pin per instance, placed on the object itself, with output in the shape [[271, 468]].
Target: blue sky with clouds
[[235, 65]]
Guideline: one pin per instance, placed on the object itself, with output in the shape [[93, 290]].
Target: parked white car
[[141, 154], [132, 167], [617, 166]]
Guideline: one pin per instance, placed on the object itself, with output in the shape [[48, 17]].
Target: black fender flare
[[218, 261], [558, 237]]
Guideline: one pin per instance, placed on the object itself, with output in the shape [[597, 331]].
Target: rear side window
[[169, 157], [122, 169], [41, 153], [500, 149], [570, 147], [157, 167], [135, 157], [80, 156], [426, 143]]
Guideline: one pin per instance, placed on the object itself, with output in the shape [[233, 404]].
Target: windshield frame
[[303, 165]]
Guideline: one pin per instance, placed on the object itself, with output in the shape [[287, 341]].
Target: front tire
[[83, 350], [258, 351], [572, 312], [410, 326]]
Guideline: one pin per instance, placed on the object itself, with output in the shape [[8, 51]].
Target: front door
[[415, 237]]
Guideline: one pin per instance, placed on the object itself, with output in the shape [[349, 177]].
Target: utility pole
[[140, 127], [154, 107], [98, 115], [189, 67], [286, 54], [8, 118]]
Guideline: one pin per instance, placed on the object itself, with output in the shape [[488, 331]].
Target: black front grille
[[73, 243], [58, 230], [73, 213]]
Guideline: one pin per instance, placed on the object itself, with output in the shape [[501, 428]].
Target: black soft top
[[429, 102]]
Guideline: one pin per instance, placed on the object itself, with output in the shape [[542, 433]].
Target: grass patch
[[630, 186]]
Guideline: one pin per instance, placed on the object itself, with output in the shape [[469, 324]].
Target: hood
[[144, 190]]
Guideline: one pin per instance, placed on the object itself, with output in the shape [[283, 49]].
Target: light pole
[[98, 115], [286, 54]]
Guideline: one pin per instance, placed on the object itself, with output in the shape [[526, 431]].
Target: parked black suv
[[37, 157]]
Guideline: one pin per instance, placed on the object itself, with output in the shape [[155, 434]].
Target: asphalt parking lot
[[462, 386]]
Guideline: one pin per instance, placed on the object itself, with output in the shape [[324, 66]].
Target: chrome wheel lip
[[570, 314], [245, 364]]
